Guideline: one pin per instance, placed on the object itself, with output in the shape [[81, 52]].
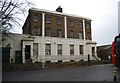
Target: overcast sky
[[104, 15]]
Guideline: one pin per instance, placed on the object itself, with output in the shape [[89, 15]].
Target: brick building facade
[[54, 36]]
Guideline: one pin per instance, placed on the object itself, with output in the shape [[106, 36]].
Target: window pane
[[59, 21], [48, 19], [71, 34], [48, 32], [59, 33], [80, 35], [88, 25], [80, 24], [35, 49], [59, 49], [47, 49], [118, 39], [71, 23], [81, 49], [89, 36], [71, 49], [35, 18], [35, 30]]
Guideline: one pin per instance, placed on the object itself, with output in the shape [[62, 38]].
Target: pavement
[[87, 73]]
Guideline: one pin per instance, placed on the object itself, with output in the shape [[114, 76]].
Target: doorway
[[18, 57], [27, 51], [93, 51]]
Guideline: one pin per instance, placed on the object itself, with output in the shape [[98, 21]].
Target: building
[[53, 36], [104, 52]]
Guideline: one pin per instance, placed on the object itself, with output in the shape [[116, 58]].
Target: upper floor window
[[35, 18], [80, 35], [71, 23], [88, 25], [48, 19], [59, 21], [71, 49], [59, 33], [35, 30], [59, 49], [48, 32], [71, 34], [47, 49], [118, 39], [80, 24], [89, 36]]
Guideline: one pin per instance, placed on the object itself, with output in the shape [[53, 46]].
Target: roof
[[55, 12], [104, 47]]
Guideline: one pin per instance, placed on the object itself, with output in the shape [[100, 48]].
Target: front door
[[18, 57], [93, 51], [27, 51]]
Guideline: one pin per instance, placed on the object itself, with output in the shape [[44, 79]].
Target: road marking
[[103, 65]]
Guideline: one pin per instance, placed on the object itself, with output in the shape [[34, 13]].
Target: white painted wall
[[15, 42], [66, 49], [23, 49], [16, 45]]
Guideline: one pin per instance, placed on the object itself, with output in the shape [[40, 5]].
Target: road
[[87, 73]]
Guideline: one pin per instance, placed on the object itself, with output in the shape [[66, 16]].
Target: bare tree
[[9, 11]]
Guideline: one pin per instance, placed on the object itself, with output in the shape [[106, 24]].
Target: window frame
[[88, 25], [59, 51], [59, 21], [59, 33], [80, 35], [80, 24], [35, 49], [48, 19], [71, 34], [89, 36], [35, 18], [35, 30], [81, 49], [47, 49], [72, 49], [48, 32], [71, 23]]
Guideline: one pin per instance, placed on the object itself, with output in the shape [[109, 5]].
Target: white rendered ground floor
[[52, 49]]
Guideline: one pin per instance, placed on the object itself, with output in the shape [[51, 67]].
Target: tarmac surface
[[86, 73]]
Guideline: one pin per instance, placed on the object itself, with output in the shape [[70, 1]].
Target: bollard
[[43, 65], [115, 73], [88, 59]]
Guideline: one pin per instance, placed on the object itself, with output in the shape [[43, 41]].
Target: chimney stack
[[59, 9]]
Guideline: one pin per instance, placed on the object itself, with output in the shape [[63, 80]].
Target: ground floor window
[[59, 49], [71, 49], [35, 49], [47, 49], [81, 49]]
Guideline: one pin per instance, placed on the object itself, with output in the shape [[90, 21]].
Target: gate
[[5, 55], [18, 57]]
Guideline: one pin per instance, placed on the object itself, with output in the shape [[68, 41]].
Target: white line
[[103, 65]]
